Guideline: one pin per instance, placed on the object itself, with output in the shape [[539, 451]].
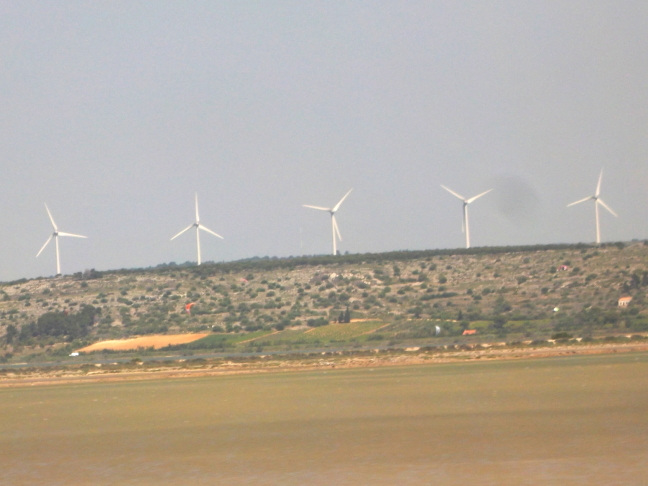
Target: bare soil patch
[[155, 341]]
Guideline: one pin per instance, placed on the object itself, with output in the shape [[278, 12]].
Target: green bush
[[320, 321], [561, 335]]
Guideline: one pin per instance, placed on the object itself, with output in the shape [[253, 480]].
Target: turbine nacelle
[[198, 227], [466, 202], [597, 200], [334, 227], [55, 235]]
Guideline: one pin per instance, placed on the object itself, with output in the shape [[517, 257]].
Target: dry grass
[[344, 331], [155, 341]]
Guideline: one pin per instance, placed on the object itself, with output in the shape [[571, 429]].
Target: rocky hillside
[[517, 293]]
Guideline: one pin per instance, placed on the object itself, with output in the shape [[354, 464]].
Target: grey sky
[[115, 113]]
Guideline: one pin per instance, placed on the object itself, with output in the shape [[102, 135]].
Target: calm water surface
[[568, 421]]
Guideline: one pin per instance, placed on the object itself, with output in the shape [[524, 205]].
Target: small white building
[[624, 301]]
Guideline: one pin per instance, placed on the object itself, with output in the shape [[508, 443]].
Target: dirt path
[[258, 337], [377, 329]]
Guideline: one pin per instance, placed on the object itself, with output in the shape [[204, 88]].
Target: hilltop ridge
[[512, 293]]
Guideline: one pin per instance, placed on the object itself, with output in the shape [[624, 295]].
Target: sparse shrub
[[320, 321], [562, 335]]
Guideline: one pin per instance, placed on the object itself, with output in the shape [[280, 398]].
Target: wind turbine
[[56, 235], [466, 202], [198, 227], [334, 226], [597, 201]]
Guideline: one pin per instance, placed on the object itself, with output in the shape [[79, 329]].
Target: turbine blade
[[337, 206], [453, 193], [197, 217], [478, 196], [51, 218], [46, 243], [600, 201], [209, 231], [598, 186], [186, 229], [580, 201], [317, 207], [60, 233], [337, 230]]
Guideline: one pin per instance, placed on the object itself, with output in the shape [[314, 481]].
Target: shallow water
[[568, 421]]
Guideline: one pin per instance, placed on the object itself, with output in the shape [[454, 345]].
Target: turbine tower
[[334, 226], [198, 227], [464, 224], [56, 235], [597, 200]]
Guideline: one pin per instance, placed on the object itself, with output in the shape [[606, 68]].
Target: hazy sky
[[116, 113]]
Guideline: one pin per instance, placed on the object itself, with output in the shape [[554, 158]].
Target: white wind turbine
[[56, 235], [597, 201], [198, 227], [334, 226], [464, 225]]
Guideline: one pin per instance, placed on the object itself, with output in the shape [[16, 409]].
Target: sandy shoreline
[[182, 368]]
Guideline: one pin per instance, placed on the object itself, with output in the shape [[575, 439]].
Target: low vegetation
[[512, 294]]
